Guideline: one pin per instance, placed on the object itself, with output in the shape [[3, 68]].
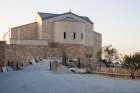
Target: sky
[[117, 20]]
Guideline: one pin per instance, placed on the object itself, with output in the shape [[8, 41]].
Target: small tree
[[109, 55], [79, 63], [64, 58], [132, 63]]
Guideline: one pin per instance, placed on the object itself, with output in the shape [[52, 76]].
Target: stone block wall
[[3, 46], [25, 53], [97, 44], [25, 32], [75, 51]]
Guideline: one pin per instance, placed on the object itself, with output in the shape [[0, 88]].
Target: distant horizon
[[117, 21]]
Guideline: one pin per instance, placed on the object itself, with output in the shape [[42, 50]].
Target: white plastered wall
[[69, 27]]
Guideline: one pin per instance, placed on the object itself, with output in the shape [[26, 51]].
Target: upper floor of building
[[58, 28]]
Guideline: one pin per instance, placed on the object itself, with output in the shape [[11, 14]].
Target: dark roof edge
[[55, 15]]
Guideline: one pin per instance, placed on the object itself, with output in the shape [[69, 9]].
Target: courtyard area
[[39, 79]]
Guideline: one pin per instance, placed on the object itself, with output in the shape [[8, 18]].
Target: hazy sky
[[117, 20]]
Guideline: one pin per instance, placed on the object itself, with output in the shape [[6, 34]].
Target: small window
[[81, 36], [74, 35], [88, 55], [64, 35]]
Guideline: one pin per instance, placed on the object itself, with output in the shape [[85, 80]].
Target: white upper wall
[[53, 29], [39, 21], [89, 38], [69, 28], [7, 37]]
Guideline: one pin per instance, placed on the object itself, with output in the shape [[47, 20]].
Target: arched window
[[74, 35], [65, 35], [81, 36]]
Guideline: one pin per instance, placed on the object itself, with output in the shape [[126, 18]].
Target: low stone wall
[[23, 54], [75, 51], [3, 46]]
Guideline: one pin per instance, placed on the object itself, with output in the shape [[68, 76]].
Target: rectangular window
[[74, 35], [81, 36], [64, 35]]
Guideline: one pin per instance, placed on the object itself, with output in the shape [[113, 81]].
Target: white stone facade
[[53, 29]]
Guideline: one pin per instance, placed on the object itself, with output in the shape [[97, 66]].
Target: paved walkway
[[38, 79]]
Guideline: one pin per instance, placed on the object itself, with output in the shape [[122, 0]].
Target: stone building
[[53, 34]]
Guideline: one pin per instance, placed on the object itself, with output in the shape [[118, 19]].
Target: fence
[[116, 71]]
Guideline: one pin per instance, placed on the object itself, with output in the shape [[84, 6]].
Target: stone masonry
[[50, 35], [3, 47]]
